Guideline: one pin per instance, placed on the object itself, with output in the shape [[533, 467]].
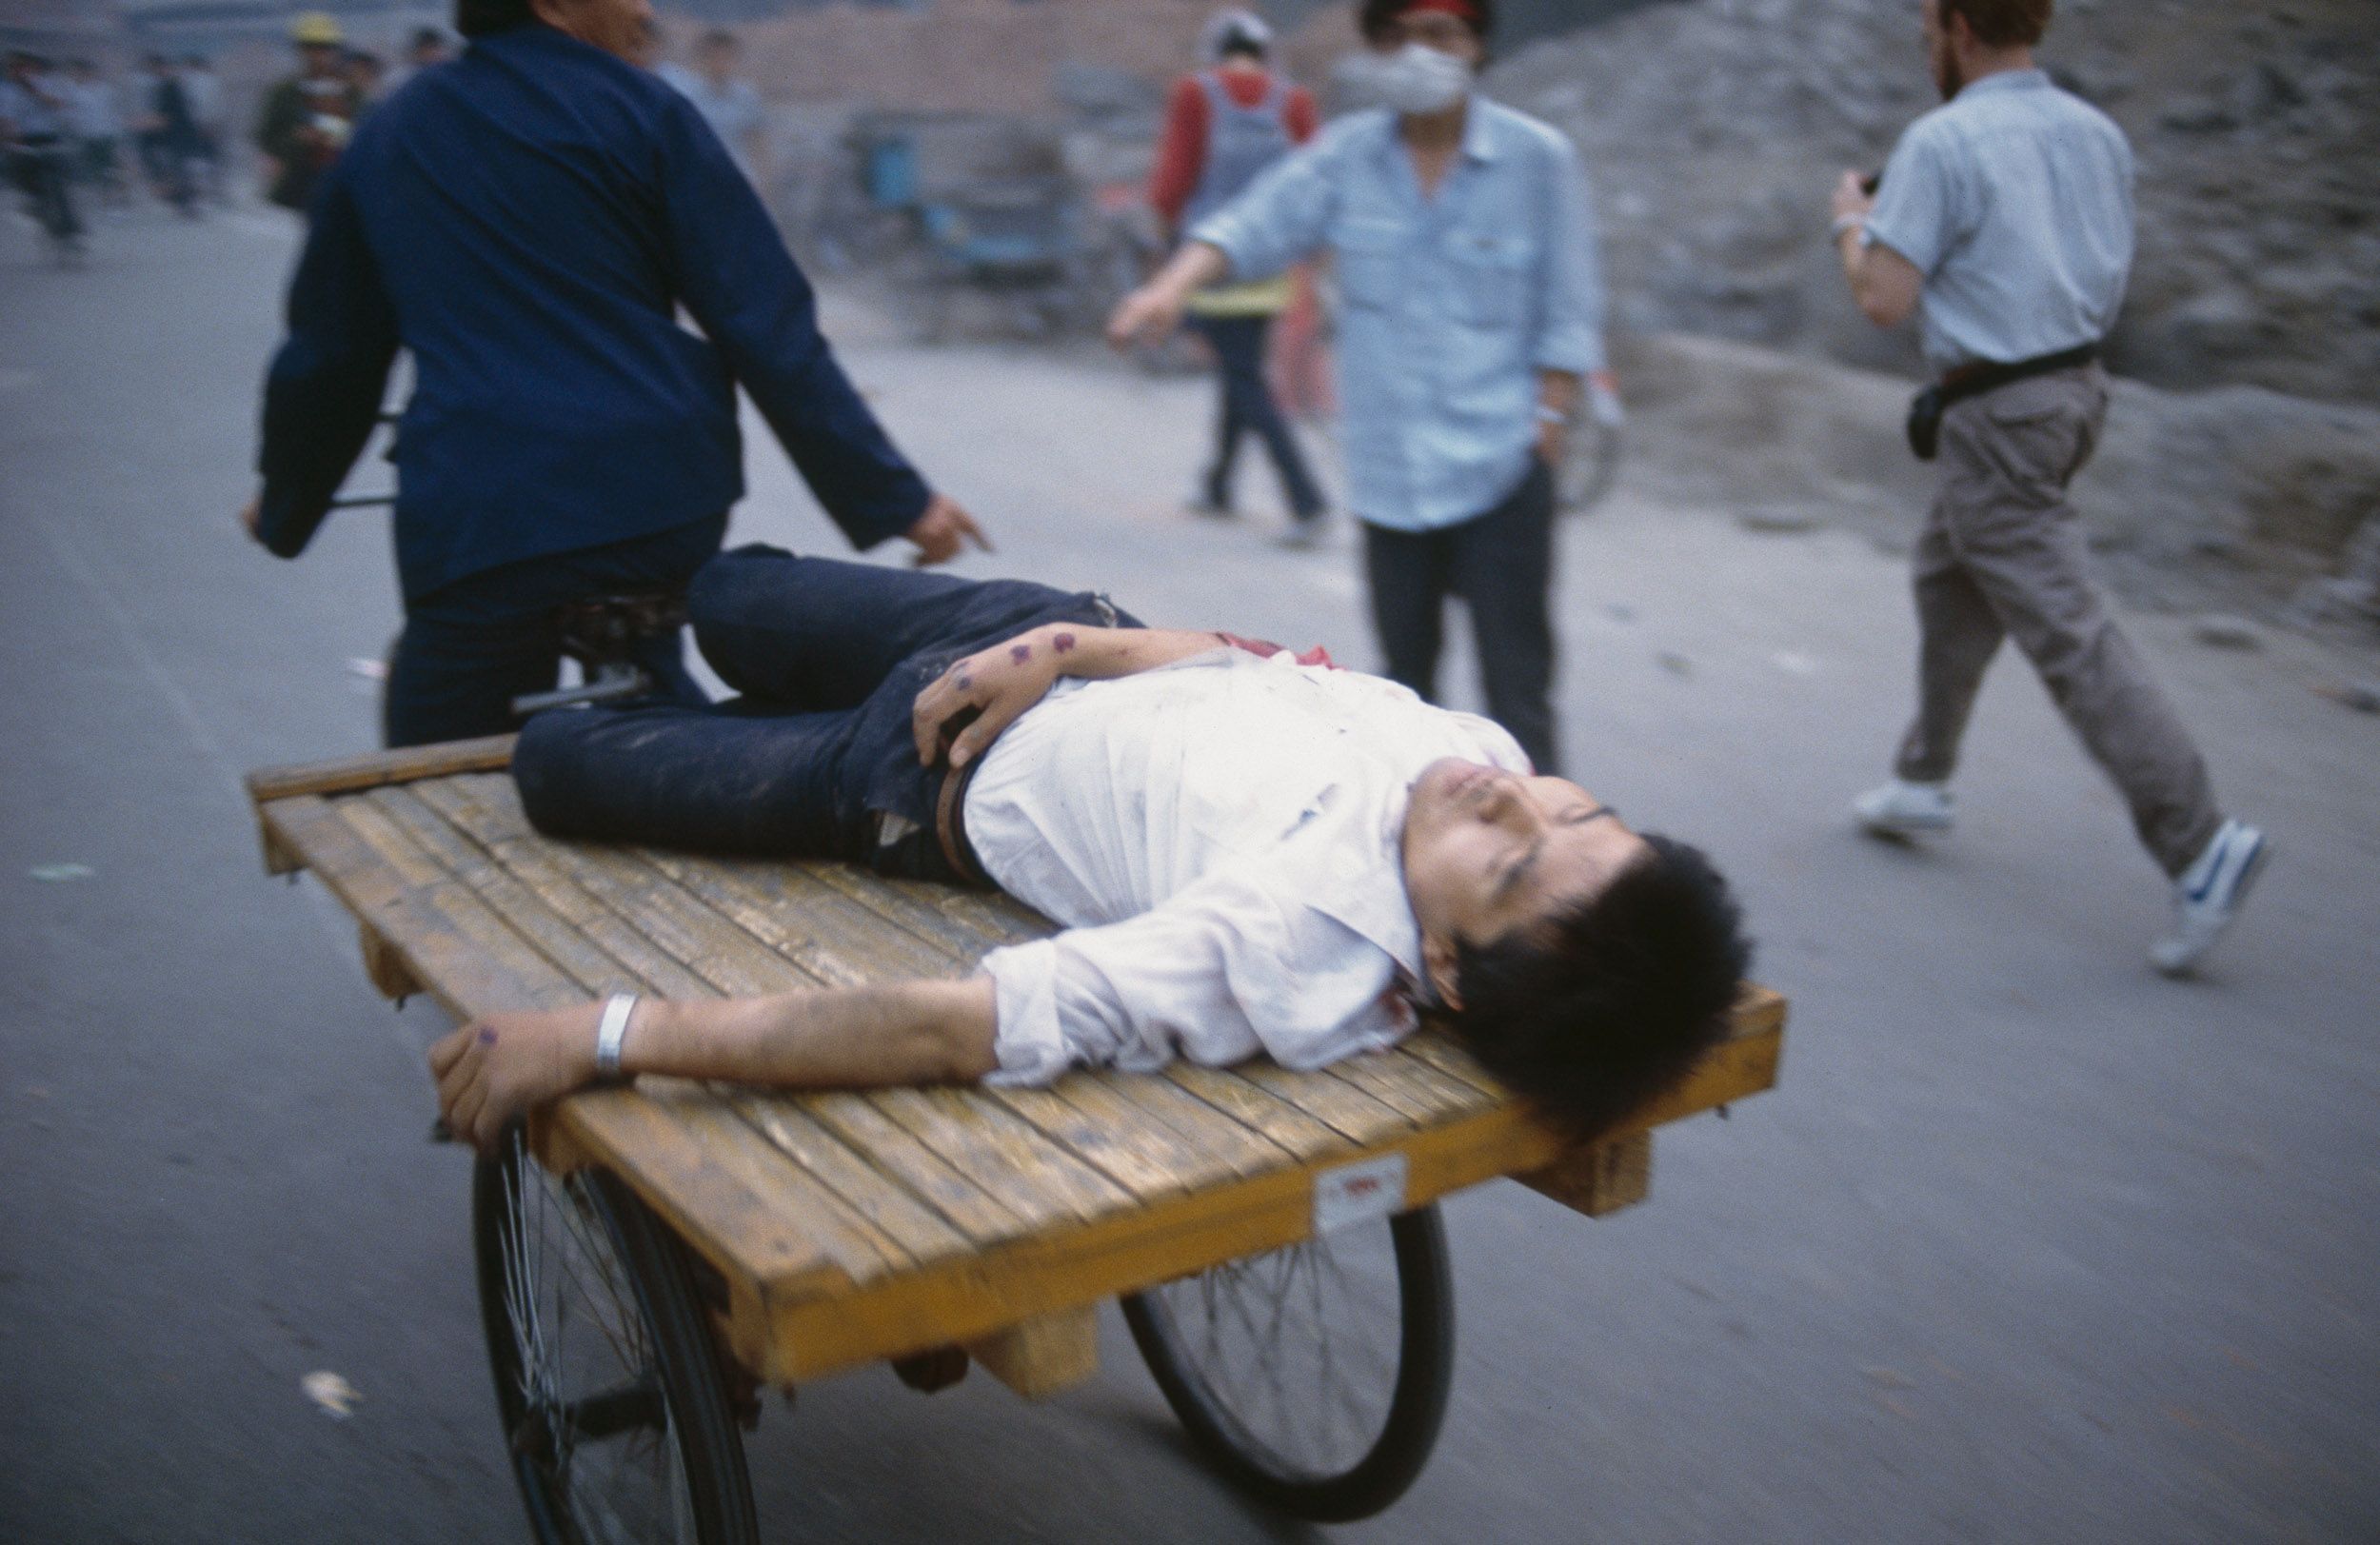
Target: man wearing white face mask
[[1471, 311]]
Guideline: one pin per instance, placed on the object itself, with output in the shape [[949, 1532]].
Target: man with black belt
[[528, 221], [2004, 219]]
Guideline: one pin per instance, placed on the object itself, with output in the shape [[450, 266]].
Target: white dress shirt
[[1221, 838]]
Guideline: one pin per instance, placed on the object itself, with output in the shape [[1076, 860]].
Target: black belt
[[950, 825], [1927, 407]]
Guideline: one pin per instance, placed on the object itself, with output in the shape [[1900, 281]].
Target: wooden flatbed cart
[[649, 1256]]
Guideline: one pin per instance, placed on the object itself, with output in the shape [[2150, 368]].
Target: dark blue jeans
[[829, 658], [470, 648], [1501, 563], [1247, 408]]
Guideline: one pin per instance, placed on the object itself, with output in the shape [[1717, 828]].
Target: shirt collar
[[2006, 80]]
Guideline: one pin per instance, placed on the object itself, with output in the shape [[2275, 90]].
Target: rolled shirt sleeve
[[1916, 211], [1223, 971], [1572, 335], [1281, 217]]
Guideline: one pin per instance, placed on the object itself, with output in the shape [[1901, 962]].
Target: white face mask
[[1417, 79]]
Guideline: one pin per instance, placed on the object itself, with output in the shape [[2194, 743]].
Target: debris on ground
[[334, 1395]]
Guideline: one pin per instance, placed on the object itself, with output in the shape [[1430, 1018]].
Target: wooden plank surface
[[370, 771], [853, 1227]]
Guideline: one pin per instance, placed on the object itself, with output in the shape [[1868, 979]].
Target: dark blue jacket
[[527, 221]]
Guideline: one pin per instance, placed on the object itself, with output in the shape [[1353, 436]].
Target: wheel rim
[[585, 1417], [1297, 1351]]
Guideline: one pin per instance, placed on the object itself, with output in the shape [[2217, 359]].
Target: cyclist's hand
[[251, 520], [943, 531], [966, 708]]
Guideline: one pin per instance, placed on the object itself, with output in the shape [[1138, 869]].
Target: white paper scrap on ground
[[335, 1396]]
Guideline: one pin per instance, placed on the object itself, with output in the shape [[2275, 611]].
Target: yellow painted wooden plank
[[1039, 1181], [872, 1202], [1059, 1269], [1085, 1119], [1336, 1103], [555, 936], [1045, 1355], [892, 1148], [525, 856], [1297, 1132], [1600, 1178], [832, 938], [1244, 1148]]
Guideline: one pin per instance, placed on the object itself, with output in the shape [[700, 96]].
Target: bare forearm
[[899, 1033], [1104, 654], [1191, 269]]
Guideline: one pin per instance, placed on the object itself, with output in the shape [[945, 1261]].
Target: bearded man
[[2004, 220]]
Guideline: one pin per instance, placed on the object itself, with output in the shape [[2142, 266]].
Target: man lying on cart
[[1250, 852]]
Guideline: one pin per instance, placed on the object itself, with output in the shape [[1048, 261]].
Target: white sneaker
[[1902, 810], [2208, 896]]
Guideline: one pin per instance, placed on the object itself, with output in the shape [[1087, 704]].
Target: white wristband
[[1848, 222], [610, 1032], [1551, 415]]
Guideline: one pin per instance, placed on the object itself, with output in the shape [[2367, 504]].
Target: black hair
[[1376, 15], [1614, 1002], [483, 18], [1238, 40]]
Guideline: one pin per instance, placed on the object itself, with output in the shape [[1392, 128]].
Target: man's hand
[[494, 1071], [251, 520], [1852, 199], [970, 704], [1148, 315], [1552, 442], [943, 531]]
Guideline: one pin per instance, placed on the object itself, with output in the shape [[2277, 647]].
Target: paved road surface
[[2030, 1245]]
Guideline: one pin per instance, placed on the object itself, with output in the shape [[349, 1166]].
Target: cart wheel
[[1313, 1377], [613, 1406]]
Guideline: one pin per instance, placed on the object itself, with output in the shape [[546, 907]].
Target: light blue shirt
[[2015, 201], [1449, 305]]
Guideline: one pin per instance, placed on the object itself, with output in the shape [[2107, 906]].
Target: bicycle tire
[[1224, 1432], [676, 1388]]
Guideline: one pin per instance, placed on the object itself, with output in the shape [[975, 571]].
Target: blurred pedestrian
[[37, 140], [526, 222], [1472, 309], [1225, 125], [203, 90], [98, 123], [307, 117], [729, 102], [172, 143], [2004, 220]]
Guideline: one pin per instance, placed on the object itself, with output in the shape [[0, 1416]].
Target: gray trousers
[[2003, 556]]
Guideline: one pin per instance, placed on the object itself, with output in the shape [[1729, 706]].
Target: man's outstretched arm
[[495, 1070]]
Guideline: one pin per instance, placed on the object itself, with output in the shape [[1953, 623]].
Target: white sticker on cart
[[1358, 1192]]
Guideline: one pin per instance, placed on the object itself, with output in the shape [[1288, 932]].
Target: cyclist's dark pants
[[470, 648]]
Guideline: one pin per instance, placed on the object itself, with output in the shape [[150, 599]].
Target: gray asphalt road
[[2031, 1244]]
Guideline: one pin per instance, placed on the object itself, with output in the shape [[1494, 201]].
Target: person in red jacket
[[1224, 127]]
